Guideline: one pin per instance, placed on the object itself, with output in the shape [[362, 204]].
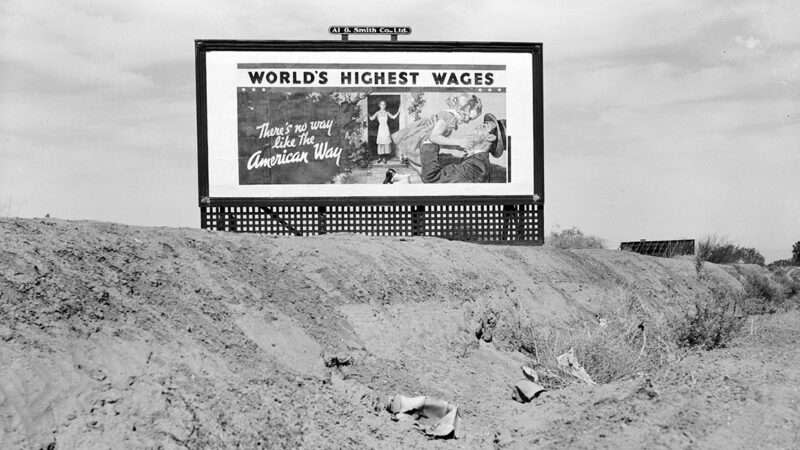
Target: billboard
[[312, 121]]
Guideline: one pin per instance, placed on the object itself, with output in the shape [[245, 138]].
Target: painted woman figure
[[425, 138], [384, 139]]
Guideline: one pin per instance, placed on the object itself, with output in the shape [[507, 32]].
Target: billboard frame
[[509, 202]]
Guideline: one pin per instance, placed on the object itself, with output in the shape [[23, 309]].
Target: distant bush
[[788, 279], [761, 295], [573, 238], [796, 253], [782, 263], [788, 262], [759, 286], [750, 256], [719, 250]]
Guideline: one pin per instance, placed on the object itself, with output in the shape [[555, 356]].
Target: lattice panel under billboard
[[482, 223]]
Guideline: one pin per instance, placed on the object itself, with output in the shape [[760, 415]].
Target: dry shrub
[[573, 238], [710, 323], [714, 249]]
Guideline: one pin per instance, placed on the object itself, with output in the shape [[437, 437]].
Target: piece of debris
[[6, 334], [402, 404], [530, 374], [502, 438], [337, 360], [486, 327], [526, 390], [445, 428], [569, 363], [402, 417], [434, 417], [646, 390], [644, 338]]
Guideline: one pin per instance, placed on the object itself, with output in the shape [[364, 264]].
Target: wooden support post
[[521, 223], [511, 221], [322, 226], [232, 222], [418, 220], [221, 219]]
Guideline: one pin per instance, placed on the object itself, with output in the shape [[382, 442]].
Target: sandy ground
[[124, 337]]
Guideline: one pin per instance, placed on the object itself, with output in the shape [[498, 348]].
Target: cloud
[[749, 42]]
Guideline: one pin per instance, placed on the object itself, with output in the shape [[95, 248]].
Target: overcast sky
[[663, 120]]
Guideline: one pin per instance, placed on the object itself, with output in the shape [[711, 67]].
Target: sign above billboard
[[368, 29], [314, 120]]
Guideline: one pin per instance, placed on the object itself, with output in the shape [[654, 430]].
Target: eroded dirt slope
[[114, 336]]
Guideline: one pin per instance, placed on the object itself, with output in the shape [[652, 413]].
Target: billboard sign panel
[[359, 120]]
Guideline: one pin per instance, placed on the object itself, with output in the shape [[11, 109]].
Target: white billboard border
[[202, 47]]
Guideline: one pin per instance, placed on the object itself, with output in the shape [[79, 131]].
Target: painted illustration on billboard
[[304, 124], [286, 121]]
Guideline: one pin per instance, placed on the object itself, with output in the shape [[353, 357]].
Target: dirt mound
[[114, 336]]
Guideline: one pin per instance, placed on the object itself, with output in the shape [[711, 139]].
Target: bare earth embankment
[[124, 337]]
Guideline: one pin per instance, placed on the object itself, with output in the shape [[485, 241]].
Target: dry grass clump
[[611, 348], [633, 340]]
